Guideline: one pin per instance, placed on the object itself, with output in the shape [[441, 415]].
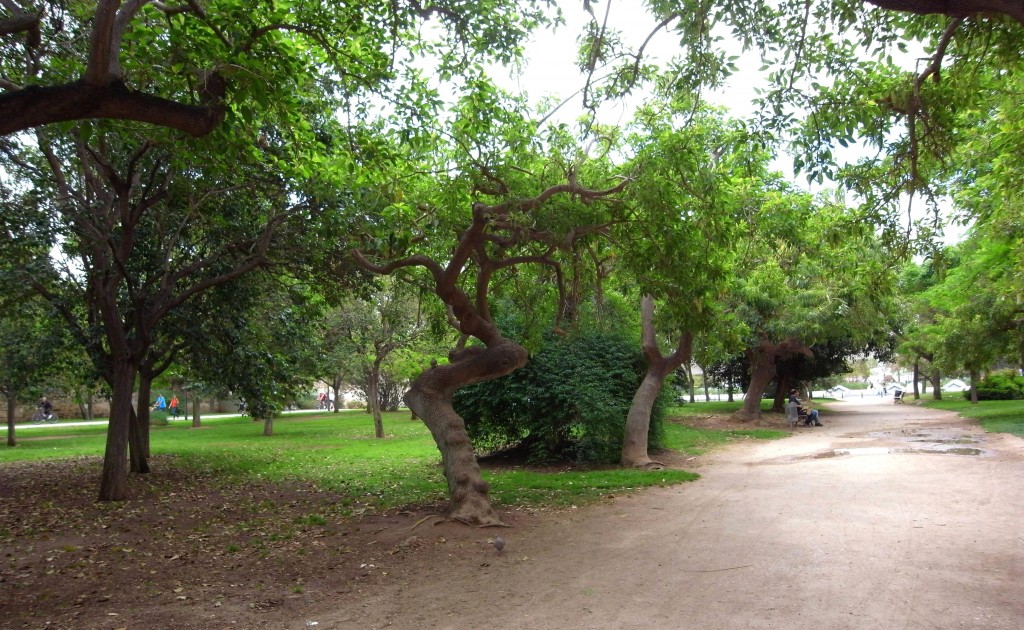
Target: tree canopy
[[160, 161]]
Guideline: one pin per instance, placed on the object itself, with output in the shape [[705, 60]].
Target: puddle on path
[[939, 441]]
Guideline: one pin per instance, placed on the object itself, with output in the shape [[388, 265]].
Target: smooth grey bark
[[638, 419]]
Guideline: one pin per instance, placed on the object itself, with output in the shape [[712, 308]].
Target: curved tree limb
[[35, 106], [954, 8]]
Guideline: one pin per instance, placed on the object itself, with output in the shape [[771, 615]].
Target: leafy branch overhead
[[190, 65]]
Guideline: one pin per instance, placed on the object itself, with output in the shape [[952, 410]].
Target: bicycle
[[42, 417]]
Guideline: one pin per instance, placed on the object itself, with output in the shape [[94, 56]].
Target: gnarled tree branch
[[955, 8]]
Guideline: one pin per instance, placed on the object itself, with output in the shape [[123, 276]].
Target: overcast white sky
[[552, 72]]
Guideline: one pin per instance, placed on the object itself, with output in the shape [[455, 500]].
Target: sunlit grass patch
[[337, 453], [995, 416], [524, 487]]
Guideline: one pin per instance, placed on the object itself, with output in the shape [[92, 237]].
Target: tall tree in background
[[811, 272], [36, 347], [148, 231], [677, 244], [368, 332], [253, 341]]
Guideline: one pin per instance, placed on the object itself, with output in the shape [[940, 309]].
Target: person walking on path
[[174, 407]]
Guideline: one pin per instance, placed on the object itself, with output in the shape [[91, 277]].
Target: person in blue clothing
[[161, 403], [812, 414]]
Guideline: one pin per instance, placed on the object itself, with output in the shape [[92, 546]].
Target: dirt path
[[888, 517]]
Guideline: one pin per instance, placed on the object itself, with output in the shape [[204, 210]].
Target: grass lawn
[[337, 452], [693, 441], [995, 416]]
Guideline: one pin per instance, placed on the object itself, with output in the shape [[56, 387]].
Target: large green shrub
[[568, 403], [999, 386]]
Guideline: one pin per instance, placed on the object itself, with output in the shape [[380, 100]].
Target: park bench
[[793, 415], [897, 397]]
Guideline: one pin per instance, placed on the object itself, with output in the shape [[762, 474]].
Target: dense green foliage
[[330, 132], [568, 403], [999, 387]]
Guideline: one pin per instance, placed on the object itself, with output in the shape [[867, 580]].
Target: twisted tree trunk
[[430, 397]]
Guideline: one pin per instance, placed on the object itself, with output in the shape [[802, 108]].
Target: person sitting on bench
[[812, 414]]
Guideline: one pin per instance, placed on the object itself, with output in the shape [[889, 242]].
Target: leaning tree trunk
[[114, 478], [12, 410], [762, 371], [638, 419], [430, 397]]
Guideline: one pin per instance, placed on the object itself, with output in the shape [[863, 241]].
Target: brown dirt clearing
[[774, 535]]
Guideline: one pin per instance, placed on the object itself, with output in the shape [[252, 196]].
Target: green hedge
[[568, 403], [999, 387]]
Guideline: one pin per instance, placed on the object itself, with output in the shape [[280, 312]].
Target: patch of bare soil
[[726, 422], [773, 535], [190, 552]]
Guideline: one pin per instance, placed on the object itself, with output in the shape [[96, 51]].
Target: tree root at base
[[436, 518], [650, 464]]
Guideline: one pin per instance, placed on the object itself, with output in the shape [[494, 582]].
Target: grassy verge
[[995, 416], [687, 439], [337, 452]]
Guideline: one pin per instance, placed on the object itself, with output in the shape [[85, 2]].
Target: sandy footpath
[[890, 516]]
